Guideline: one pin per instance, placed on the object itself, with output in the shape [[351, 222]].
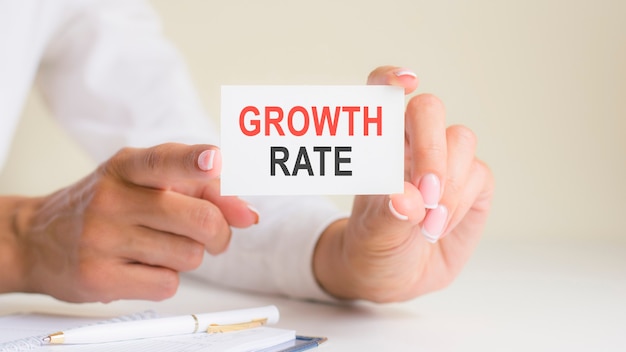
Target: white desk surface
[[512, 296]]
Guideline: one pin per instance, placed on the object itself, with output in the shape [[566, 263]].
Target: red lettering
[[255, 123], [351, 110], [273, 120], [305, 125], [326, 120], [320, 120], [378, 120]]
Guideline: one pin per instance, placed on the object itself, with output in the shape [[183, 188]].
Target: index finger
[[427, 146]]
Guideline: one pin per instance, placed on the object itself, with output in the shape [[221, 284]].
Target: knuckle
[[487, 175], [123, 154], [426, 102], [430, 151], [464, 136], [454, 186], [194, 256], [483, 168], [205, 217], [152, 159], [168, 283], [115, 164], [220, 245]]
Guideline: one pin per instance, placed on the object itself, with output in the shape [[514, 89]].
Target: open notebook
[[24, 332]]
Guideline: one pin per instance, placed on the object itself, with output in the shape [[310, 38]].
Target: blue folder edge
[[300, 343]]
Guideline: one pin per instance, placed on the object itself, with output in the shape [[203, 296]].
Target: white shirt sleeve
[[112, 80], [275, 256]]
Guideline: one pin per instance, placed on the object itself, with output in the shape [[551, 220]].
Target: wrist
[[13, 223]]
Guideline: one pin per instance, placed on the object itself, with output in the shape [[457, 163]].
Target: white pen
[[169, 326]]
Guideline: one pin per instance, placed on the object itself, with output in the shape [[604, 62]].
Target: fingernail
[[434, 222], [256, 213], [430, 188], [404, 72], [205, 160], [396, 213]]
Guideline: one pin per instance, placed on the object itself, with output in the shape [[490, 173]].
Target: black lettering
[[281, 161], [339, 160], [322, 152], [302, 154]]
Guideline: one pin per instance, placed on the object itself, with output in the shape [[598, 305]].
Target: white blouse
[[111, 80]]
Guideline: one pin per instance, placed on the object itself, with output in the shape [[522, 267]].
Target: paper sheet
[[28, 329]]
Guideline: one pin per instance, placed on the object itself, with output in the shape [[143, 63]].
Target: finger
[[198, 219], [407, 206], [190, 170], [167, 166], [461, 155], [108, 281], [427, 147], [394, 76], [461, 146], [475, 200], [391, 219], [139, 281], [236, 212], [156, 248], [210, 212]]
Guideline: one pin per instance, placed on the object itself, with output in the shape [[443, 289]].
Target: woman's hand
[[127, 229], [394, 248]]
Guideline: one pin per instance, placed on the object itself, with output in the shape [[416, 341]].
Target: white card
[[297, 140]]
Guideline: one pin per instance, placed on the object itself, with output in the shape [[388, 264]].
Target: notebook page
[[240, 341], [29, 329]]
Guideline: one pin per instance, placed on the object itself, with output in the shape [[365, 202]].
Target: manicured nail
[[433, 225], [205, 160], [396, 213], [430, 188], [256, 213], [404, 72]]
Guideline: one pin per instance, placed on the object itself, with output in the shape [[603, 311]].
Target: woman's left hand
[[394, 248]]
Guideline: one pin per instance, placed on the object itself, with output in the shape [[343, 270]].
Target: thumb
[[394, 76], [387, 217], [169, 166], [407, 207], [192, 170]]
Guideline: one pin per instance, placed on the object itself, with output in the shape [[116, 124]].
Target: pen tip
[[47, 339]]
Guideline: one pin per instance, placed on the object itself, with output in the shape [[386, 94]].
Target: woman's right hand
[[123, 232]]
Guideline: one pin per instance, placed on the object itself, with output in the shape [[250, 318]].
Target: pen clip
[[255, 323]]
